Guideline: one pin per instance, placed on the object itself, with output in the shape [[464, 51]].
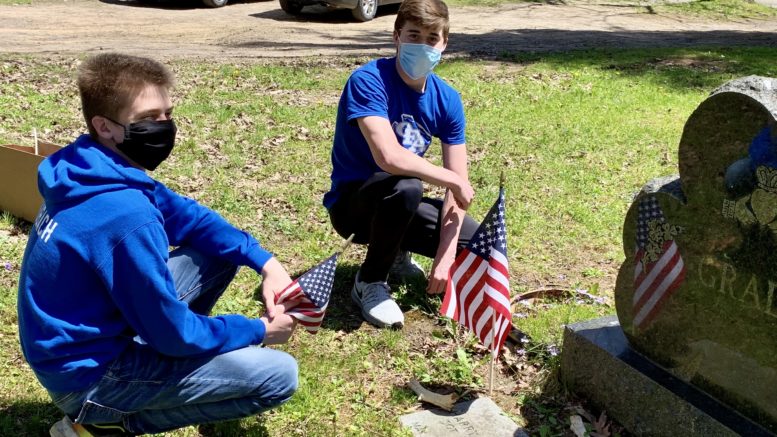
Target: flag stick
[[347, 243], [493, 354], [35, 137]]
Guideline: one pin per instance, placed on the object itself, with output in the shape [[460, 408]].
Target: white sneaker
[[377, 306], [63, 428], [405, 267]]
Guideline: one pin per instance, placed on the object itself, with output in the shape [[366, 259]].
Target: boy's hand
[[463, 193], [278, 329], [438, 277], [274, 280]]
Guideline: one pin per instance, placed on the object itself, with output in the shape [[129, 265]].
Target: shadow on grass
[[28, 418], [546, 411], [343, 314], [680, 68], [176, 5], [322, 14], [235, 428]]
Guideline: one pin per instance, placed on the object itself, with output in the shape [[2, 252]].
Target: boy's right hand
[[278, 330], [274, 280]]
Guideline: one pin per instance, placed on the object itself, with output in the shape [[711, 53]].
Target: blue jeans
[[149, 392]]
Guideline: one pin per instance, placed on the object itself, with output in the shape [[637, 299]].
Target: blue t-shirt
[[376, 89]]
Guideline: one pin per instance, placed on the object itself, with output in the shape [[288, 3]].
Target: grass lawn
[[577, 134]]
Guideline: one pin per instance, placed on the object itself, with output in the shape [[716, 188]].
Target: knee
[[285, 378], [407, 195]]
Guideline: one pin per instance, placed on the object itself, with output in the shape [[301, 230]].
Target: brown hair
[[109, 82], [430, 14]]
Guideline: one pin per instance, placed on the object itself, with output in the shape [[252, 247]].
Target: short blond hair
[[430, 14], [109, 82]]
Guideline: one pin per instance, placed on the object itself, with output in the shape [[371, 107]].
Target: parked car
[[362, 10]]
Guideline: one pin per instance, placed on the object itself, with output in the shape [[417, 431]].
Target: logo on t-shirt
[[411, 135]]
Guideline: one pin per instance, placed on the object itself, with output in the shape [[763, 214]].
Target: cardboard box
[[19, 178]]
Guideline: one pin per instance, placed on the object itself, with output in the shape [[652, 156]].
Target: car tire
[[365, 10], [290, 7], [214, 3]]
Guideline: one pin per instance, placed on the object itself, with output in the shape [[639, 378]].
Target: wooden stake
[[35, 138]]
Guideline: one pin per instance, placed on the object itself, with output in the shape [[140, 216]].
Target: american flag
[[478, 291], [658, 267], [313, 288]]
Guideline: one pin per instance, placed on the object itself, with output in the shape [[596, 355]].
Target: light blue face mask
[[418, 60]]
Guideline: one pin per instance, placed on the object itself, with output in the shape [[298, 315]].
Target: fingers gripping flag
[[478, 290], [313, 288]]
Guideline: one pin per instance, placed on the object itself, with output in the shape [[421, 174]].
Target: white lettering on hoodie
[[44, 224]]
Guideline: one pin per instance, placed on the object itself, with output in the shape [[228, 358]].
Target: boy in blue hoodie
[[115, 326]]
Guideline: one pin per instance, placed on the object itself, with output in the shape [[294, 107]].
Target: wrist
[[270, 267], [454, 180], [261, 329]]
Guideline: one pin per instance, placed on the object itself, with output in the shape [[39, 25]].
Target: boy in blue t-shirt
[[388, 113], [115, 327]]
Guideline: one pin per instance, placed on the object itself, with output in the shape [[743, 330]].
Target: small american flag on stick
[[313, 288], [478, 291]]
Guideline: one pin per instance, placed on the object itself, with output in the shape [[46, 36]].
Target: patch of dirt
[[260, 29]]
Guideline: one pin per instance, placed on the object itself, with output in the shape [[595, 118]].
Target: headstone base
[[598, 364]]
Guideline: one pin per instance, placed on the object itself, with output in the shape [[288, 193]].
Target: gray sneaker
[[376, 304], [405, 267]]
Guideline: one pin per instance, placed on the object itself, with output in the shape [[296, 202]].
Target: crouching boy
[[115, 326]]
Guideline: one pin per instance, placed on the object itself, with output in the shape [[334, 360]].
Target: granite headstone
[[696, 293]]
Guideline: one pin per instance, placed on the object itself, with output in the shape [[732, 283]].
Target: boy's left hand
[[275, 279]]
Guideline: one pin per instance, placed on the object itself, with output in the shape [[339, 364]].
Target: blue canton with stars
[[492, 232], [317, 282], [648, 210]]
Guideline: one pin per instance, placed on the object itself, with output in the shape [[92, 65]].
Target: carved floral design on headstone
[[696, 292]]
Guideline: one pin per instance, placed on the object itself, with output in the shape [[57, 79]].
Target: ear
[[396, 38], [102, 127]]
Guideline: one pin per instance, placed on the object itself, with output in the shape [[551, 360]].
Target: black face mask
[[148, 142]]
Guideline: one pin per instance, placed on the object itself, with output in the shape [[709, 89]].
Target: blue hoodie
[[94, 272]]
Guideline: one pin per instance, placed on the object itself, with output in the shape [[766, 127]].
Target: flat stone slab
[[599, 365], [478, 417]]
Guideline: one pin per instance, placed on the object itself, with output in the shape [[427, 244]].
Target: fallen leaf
[[601, 427]]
